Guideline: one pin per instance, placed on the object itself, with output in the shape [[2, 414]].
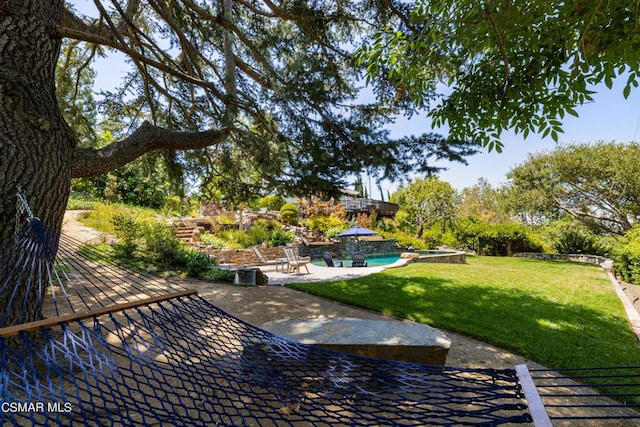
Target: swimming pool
[[371, 260], [377, 260]]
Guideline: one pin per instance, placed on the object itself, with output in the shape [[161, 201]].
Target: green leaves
[[426, 201], [518, 66], [597, 184]]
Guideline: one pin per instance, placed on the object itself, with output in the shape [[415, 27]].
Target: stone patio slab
[[380, 339]]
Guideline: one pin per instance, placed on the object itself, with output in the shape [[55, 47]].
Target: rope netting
[[115, 347]]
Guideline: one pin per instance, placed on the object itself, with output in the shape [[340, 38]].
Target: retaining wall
[[603, 262], [458, 257], [344, 249]]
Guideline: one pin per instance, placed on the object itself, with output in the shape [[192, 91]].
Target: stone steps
[[189, 233]]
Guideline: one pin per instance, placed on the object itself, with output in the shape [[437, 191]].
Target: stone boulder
[[409, 255]]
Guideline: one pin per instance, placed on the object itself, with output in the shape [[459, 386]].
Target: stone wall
[[344, 249], [453, 258], [244, 256], [604, 262]]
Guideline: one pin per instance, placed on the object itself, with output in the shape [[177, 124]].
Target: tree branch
[[89, 162], [596, 221], [73, 22], [229, 66], [501, 46]]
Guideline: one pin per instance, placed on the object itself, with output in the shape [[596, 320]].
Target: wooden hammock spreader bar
[[536, 407], [10, 331]]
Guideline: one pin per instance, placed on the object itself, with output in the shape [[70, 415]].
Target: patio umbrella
[[356, 231]]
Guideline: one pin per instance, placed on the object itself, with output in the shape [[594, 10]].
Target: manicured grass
[[560, 314]]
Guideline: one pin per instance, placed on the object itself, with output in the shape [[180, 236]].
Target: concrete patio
[[323, 273]]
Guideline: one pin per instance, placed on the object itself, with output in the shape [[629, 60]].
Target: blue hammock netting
[[114, 347]]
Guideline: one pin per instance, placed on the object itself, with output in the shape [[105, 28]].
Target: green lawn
[[560, 314]]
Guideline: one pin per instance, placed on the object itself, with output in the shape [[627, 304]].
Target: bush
[[215, 240], [253, 236], [78, 200], [127, 231], [405, 240], [224, 220], [576, 242], [196, 263], [289, 213], [433, 236], [280, 238], [262, 231], [172, 204], [272, 202], [218, 274], [333, 231], [325, 223], [507, 239], [161, 243], [495, 239], [626, 257]]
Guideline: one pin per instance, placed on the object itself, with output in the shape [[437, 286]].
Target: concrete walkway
[[319, 273]]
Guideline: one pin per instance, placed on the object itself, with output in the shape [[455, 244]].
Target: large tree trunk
[[36, 144]]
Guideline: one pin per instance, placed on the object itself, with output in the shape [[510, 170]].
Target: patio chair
[[295, 261], [357, 260], [265, 261], [328, 259]]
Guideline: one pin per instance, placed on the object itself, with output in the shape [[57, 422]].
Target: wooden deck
[[356, 206]]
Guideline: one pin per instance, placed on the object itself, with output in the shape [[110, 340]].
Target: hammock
[[114, 347]]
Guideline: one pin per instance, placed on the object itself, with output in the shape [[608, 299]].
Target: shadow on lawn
[[553, 334]]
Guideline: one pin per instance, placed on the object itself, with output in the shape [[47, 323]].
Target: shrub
[[289, 213], [280, 238], [215, 240], [161, 243], [573, 241], [365, 220], [433, 236], [111, 189], [225, 239], [333, 231], [507, 239], [172, 204], [127, 231], [626, 257], [267, 225], [405, 240], [225, 221], [78, 200], [495, 239], [218, 274], [272, 202], [254, 236], [196, 263], [326, 223]]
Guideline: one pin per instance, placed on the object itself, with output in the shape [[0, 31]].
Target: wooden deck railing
[[356, 206]]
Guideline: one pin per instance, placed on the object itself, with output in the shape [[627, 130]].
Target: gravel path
[[633, 293]]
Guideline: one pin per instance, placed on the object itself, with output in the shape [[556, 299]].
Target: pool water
[[371, 260]]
